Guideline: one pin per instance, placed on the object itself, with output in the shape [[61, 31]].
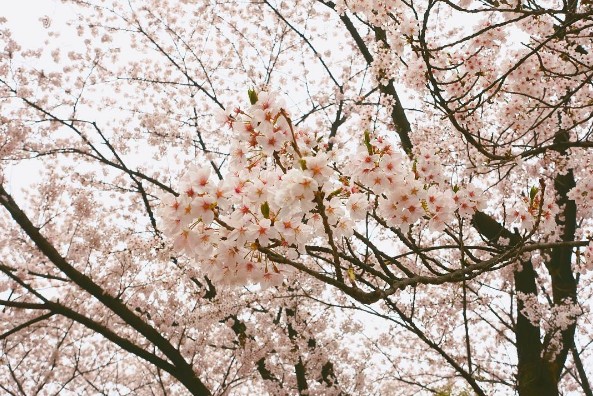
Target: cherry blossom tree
[[298, 197]]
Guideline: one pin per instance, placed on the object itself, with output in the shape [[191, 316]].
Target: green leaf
[[303, 164], [252, 96], [335, 193], [351, 274], [532, 193], [265, 210], [367, 142]]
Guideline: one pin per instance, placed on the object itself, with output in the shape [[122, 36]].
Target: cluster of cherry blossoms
[[582, 194], [535, 211], [553, 319], [282, 192]]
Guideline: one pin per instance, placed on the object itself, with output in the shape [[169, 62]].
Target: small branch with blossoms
[[282, 195]]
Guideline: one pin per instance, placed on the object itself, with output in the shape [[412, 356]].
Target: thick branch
[[184, 371]]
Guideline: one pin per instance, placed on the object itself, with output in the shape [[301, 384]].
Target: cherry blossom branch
[[467, 376], [183, 372], [25, 325], [398, 116], [211, 96], [311, 47], [581, 370], [330, 236]]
